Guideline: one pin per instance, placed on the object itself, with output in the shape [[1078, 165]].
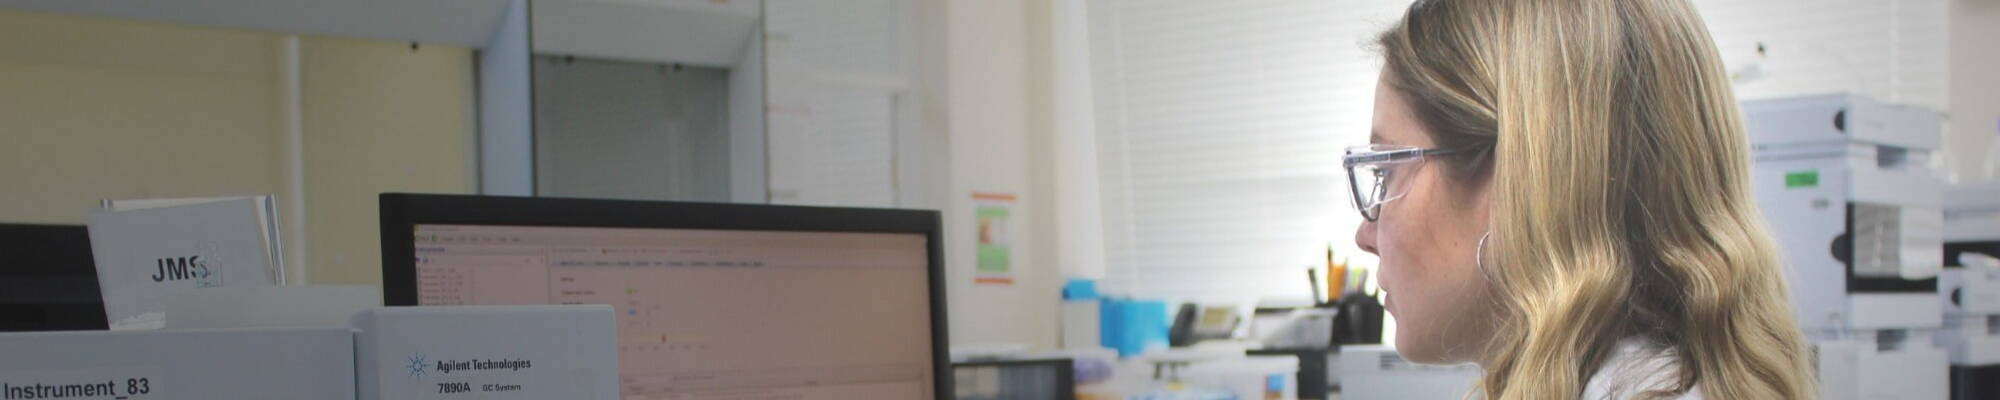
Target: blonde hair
[[1621, 206]]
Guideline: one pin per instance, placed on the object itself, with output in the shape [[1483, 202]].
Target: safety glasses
[[1370, 170]]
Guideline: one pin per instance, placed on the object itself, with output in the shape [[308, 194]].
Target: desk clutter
[[532, 298], [482, 298], [1278, 348]]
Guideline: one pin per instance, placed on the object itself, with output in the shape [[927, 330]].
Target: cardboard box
[[487, 352], [310, 364]]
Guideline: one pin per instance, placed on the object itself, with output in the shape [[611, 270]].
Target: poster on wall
[[991, 214]]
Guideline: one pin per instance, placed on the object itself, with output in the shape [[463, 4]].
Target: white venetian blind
[[1220, 127], [1220, 123], [1893, 50]]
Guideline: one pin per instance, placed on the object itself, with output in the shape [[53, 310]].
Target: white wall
[[506, 108], [1974, 123], [995, 145], [746, 124], [837, 86], [923, 178], [970, 87], [1079, 215]]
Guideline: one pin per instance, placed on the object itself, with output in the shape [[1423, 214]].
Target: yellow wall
[[378, 118], [93, 109]]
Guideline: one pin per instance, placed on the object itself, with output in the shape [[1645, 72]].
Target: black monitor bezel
[[402, 212]]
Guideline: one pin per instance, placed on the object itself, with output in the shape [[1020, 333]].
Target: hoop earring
[[1479, 256]]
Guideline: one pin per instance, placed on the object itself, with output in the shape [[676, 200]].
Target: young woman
[[1558, 190]]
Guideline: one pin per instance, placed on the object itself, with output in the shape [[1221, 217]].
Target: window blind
[[1220, 124], [1220, 128]]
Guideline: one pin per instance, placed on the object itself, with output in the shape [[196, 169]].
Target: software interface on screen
[[710, 314]]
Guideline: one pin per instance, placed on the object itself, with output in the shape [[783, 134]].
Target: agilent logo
[[416, 365], [420, 369]]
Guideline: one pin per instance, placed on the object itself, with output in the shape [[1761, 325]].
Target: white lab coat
[[1635, 367]]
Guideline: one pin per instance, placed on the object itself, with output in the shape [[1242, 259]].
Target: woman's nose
[[1365, 237]]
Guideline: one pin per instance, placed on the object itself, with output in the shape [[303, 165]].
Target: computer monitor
[[723, 301], [48, 281]]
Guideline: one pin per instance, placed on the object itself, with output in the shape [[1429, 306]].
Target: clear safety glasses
[[1370, 169]]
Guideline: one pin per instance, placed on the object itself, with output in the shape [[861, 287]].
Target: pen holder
[[1359, 321]]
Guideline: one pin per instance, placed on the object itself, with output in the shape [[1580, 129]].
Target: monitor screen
[[712, 313]]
